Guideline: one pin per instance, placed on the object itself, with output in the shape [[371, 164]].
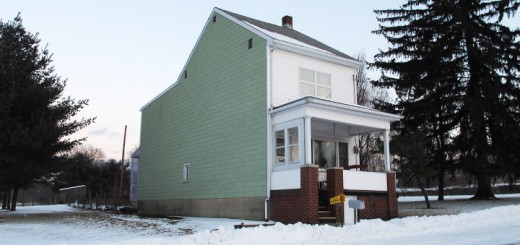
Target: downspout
[[269, 129]]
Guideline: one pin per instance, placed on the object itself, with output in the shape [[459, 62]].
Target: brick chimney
[[287, 22]]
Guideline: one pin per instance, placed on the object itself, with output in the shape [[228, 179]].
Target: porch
[[315, 148], [324, 133]]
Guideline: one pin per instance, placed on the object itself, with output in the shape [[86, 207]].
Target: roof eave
[[267, 38], [309, 100], [277, 44]]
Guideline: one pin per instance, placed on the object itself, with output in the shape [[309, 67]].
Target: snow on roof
[[288, 35], [286, 39]]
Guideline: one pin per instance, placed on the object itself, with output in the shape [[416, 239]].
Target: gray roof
[[288, 32]]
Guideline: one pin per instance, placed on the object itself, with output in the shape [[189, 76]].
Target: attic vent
[[287, 22], [214, 18], [250, 43], [186, 74]]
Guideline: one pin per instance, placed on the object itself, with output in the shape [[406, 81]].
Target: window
[[214, 18], [287, 146], [186, 74], [292, 146], [314, 84], [343, 154], [250, 43], [287, 141], [326, 153], [186, 173], [280, 146]]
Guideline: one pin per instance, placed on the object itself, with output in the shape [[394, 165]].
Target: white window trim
[[186, 173], [315, 83], [298, 123]]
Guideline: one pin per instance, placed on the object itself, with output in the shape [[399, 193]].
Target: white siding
[[364, 181], [285, 77], [286, 179]]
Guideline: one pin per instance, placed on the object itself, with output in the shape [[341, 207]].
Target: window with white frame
[[287, 140], [186, 173], [287, 146], [314, 83]]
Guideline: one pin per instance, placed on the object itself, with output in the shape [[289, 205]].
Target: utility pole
[[122, 170]]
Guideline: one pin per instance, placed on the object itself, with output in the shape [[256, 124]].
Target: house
[[134, 177], [260, 124]]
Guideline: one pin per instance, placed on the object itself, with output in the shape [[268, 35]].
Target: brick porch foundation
[[301, 205], [298, 205]]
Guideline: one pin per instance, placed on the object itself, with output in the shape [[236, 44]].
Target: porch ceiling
[[358, 119]]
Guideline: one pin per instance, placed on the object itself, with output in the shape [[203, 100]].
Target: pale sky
[[121, 54]]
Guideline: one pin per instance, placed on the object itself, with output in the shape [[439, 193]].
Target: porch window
[[324, 153], [343, 154], [314, 83], [280, 146], [329, 154], [287, 146]]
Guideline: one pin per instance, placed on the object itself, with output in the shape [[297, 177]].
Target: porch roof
[[353, 115]]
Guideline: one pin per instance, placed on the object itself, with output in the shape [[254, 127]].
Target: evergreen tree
[[34, 116], [456, 73]]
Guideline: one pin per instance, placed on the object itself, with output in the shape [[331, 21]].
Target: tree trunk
[[484, 191], [13, 201], [23, 197], [440, 193], [423, 191], [4, 199], [8, 206]]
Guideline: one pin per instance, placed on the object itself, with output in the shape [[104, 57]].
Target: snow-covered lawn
[[60, 224]]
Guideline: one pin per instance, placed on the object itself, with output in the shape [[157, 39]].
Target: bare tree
[[370, 145]]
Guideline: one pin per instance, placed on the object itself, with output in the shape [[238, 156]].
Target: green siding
[[215, 120]]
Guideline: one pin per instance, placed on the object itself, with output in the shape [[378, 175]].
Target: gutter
[[356, 109], [269, 128]]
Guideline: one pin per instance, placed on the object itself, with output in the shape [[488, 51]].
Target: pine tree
[[456, 73], [34, 116]]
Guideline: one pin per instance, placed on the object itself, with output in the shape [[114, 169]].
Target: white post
[[386, 154], [308, 141]]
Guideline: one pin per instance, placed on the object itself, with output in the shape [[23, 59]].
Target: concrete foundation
[[251, 208]]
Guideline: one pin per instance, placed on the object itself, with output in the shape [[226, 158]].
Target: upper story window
[[314, 83]]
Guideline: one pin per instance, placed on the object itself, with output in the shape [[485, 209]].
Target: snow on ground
[[454, 197], [413, 206], [39, 209], [435, 188], [60, 224]]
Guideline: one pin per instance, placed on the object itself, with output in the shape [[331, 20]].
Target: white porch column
[[386, 154], [308, 141]]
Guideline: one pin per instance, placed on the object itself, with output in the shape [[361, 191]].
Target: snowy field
[[495, 222]]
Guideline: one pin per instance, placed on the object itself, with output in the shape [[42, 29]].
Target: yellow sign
[[338, 199]]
